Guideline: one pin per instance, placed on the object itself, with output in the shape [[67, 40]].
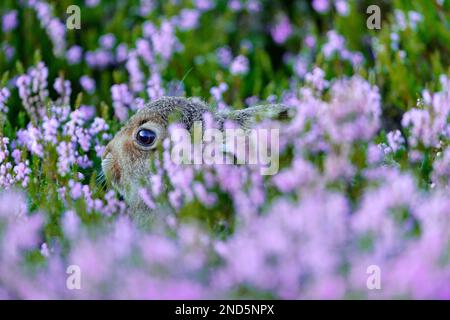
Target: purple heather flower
[[154, 87], [121, 53], [99, 58], [239, 66], [224, 56], [204, 5], [64, 89], [145, 7], [282, 30], [91, 3], [235, 5], [73, 54], [321, 6], [342, 7], [136, 75], [188, 19], [9, 21], [107, 41], [253, 5], [122, 100], [217, 92], [88, 84], [143, 49], [310, 41], [4, 95], [164, 40], [8, 51]]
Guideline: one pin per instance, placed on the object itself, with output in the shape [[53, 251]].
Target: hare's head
[[127, 157]]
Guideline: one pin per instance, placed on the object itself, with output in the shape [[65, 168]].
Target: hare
[[126, 159]]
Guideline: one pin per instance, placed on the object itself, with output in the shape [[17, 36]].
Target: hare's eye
[[146, 137]]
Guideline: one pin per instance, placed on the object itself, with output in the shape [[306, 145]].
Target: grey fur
[[193, 109]]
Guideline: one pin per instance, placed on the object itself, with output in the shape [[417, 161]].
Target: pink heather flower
[[51, 126], [92, 3], [143, 49], [239, 66], [8, 51], [302, 173], [4, 152], [321, 6], [16, 155], [300, 67], [33, 90], [335, 43], [207, 199], [310, 41], [64, 89], [99, 59], [414, 19], [145, 7], [354, 111], [375, 154], [136, 75], [9, 21], [164, 40], [342, 7], [395, 140], [122, 100], [45, 251], [217, 92], [121, 53], [188, 19], [76, 189], [112, 204], [66, 157], [282, 30], [70, 224], [154, 86], [251, 101], [107, 41], [55, 29], [224, 56], [31, 138], [148, 29], [441, 172], [253, 5], [146, 198], [235, 5], [427, 125], [88, 84], [74, 54], [20, 231], [317, 79], [204, 5], [4, 95], [271, 260]]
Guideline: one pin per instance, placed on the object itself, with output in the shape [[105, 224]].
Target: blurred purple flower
[[88, 84], [282, 30], [239, 66], [9, 21]]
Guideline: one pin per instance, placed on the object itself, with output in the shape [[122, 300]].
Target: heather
[[364, 159]]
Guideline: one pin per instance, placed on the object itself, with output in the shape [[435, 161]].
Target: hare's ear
[[246, 117]]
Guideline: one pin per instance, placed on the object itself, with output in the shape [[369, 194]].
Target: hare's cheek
[[131, 151], [115, 172], [111, 168]]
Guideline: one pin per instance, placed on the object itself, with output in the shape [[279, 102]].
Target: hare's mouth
[[110, 170]]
